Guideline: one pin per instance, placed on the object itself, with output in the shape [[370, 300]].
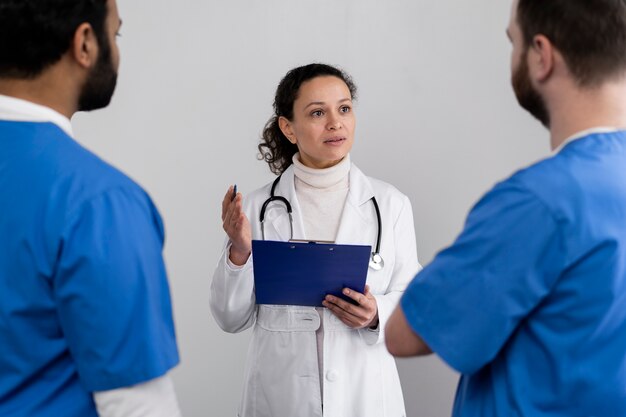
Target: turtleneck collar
[[321, 178]]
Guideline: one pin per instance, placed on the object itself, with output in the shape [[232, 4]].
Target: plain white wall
[[436, 117]]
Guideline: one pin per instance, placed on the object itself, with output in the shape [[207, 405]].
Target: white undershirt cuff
[[154, 398]]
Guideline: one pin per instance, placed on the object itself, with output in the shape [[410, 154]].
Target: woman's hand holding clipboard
[[357, 316]]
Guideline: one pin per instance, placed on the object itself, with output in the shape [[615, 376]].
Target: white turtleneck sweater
[[321, 195]]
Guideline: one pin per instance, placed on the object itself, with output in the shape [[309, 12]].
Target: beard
[[100, 84], [527, 96]]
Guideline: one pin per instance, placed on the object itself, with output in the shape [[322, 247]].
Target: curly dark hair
[[275, 148], [34, 34]]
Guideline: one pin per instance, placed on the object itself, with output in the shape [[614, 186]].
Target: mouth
[[335, 139]]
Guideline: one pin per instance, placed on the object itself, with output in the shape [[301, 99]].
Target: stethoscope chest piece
[[376, 262]]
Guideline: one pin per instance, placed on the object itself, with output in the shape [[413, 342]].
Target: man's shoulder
[[574, 171], [538, 186], [90, 169], [85, 170], [544, 178], [73, 172], [562, 183], [539, 167]]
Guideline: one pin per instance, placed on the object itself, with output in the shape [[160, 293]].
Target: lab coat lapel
[[358, 220], [277, 218]]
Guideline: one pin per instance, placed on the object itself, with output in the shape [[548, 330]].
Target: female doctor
[[304, 361]]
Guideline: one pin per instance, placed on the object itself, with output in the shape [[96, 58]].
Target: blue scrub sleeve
[[112, 292], [471, 298]]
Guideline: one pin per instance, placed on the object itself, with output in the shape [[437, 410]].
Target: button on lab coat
[[282, 375]]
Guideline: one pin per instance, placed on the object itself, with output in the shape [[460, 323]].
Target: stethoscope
[[376, 261]]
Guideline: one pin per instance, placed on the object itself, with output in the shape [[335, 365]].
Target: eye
[[317, 113], [345, 109], [118, 35]]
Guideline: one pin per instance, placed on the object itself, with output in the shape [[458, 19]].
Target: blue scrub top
[[84, 298], [529, 303]]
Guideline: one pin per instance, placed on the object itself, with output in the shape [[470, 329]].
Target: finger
[[227, 216], [229, 209], [347, 318], [234, 211], [367, 304], [369, 295], [355, 311], [230, 222], [237, 214], [237, 226], [355, 295], [350, 323], [342, 304], [367, 290], [238, 223], [226, 201], [343, 315]]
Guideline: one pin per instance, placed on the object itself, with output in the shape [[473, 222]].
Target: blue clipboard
[[294, 273]]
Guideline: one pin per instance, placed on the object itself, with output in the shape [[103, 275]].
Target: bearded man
[[86, 324], [529, 303]]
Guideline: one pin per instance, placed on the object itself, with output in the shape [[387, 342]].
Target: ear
[[84, 47], [285, 127], [541, 58]]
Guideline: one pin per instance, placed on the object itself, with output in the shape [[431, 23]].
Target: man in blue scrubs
[[529, 303], [86, 325]]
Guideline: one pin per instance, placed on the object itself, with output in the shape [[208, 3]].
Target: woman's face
[[323, 122]]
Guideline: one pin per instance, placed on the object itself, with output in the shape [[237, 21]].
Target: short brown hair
[[590, 34]]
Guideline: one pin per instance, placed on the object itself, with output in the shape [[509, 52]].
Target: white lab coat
[[282, 376]]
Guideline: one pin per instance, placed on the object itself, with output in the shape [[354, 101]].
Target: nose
[[334, 122]]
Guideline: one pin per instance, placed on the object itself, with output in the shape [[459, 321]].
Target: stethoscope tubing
[[274, 197]]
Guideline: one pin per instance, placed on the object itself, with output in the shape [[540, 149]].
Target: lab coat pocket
[[288, 318], [284, 321]]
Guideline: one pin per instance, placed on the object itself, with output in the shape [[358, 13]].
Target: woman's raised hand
[[237, 227]]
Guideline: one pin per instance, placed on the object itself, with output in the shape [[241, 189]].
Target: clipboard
[[303, 273]]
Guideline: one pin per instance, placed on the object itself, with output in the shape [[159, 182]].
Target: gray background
[[436, 117]]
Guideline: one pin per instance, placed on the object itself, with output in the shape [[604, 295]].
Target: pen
[[234, 192]]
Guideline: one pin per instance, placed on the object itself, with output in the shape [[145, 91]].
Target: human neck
[[52, 89], [582, 109], [321, 178]]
